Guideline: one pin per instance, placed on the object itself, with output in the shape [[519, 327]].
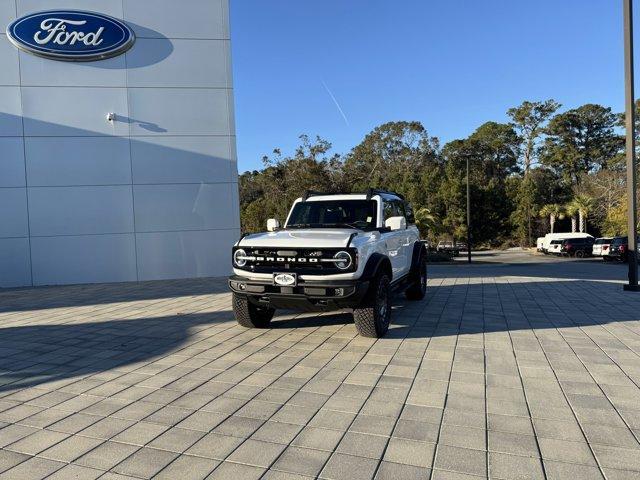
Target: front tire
[[372, 318], [249, 315], [418, 289]]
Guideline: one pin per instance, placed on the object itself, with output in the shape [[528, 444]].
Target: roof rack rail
[[312, 193], [370, 193], [375, 191]]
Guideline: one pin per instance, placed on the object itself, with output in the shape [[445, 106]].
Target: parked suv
[[619, 249], [335, 251], [549, 237], [577, 247], [555, 247], [601, 246]]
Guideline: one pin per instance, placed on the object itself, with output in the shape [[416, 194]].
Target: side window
[[409, 213], [396, 208], [389, 210]]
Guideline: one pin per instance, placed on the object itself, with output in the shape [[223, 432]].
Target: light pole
[[468, 215], [630, 147]]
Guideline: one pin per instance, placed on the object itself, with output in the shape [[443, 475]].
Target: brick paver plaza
[[503, 371]]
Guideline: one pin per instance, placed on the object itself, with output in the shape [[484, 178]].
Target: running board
[[401, 284]]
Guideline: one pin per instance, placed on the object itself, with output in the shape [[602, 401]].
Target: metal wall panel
[[150, 195]]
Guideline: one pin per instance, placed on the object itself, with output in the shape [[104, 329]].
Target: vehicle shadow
[[31, 355], [512, 304], [314, 320], [591, 269]]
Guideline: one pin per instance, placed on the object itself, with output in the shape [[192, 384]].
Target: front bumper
[[306, 295]]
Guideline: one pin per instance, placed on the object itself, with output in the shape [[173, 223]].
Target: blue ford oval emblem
[[71, 35]]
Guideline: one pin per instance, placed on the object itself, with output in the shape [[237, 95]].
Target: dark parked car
[[619, 249], [577, 247]]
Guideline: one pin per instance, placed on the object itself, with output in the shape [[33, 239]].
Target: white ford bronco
[[335, 251]]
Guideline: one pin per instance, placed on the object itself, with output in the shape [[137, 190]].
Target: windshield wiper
[[342, 225], [325, 225], [299, 225]]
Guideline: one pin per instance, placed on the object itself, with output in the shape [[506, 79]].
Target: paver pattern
[[499, 372]]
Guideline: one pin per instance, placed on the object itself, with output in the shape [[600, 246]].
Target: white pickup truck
[[334, 251]]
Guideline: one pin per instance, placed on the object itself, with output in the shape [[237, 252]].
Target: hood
[[300, 238]]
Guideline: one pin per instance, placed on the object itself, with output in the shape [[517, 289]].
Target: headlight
[[240, 258], [344, 258]]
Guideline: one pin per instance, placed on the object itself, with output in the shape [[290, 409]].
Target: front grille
[[302, 261]]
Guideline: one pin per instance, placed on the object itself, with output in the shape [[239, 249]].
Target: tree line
[[544, 170]]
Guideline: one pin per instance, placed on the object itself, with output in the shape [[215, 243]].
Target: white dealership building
[[122, 168]]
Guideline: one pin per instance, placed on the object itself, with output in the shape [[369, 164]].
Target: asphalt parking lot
[[519, 366]]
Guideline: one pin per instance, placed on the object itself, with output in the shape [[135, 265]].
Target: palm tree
[[426, 220], [583, 204], [571, 210], [554, 212]]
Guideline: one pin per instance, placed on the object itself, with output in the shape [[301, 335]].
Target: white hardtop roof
[[337, 196], [346, 196], [556, 236]]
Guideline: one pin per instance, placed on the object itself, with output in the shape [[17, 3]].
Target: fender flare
[[375, 264], [419, 250]]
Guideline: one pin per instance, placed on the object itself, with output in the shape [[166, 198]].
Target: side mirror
[[272, 225], [395, 223]]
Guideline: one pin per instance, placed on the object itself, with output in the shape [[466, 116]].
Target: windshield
[[334, 214]]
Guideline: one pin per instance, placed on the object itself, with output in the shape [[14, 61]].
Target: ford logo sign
[[286, 279], [71, 35]]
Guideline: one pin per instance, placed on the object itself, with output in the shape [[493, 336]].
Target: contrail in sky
[[336, 102]]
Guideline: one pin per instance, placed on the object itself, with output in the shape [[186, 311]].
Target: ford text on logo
[[71, 35]]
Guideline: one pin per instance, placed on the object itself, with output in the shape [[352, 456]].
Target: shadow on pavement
[[62, 296], [37, 354], [314, 320], [566, 268], [31, 355]]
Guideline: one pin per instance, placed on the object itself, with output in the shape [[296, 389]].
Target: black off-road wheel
[[373, 316], [249, 315], [418, 289]]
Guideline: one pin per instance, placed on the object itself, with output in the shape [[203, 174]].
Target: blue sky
[[450, 64]]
